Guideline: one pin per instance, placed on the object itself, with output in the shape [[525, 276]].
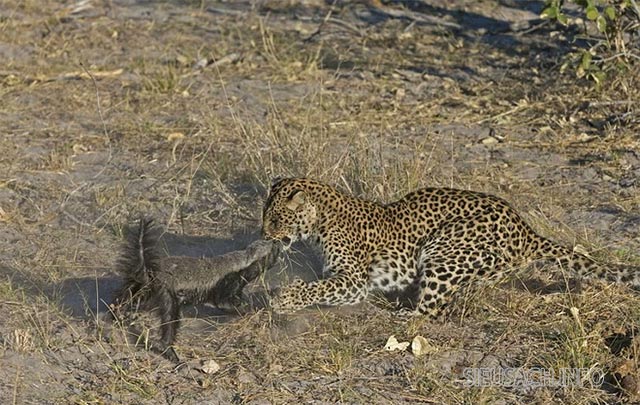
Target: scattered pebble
[[490, 140], [246, 377], [276, 368], [175, 136], [629, 384], [210, 367], [627, 182], [584, 137], [201, 63]]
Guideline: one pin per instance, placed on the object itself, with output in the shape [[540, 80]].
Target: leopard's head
[[289, 213]]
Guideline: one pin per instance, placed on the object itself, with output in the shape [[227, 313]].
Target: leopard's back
[[432, 240]]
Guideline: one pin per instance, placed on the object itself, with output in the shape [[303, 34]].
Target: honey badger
[[167, 282]]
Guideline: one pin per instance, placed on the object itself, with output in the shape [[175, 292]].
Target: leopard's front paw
[[405, 313], [290, 298]]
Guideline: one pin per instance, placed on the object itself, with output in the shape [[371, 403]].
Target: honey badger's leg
[[140, 264], [169, 309], [229, 289]]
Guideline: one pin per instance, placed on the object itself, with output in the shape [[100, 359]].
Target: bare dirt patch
[[185, 110]]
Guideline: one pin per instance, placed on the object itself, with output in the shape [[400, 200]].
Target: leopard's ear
[[276, 180], [296, 200]]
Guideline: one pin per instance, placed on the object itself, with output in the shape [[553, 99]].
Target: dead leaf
[[393, 344], [421, 346]]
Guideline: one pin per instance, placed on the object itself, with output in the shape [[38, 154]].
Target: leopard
[[432, 242]]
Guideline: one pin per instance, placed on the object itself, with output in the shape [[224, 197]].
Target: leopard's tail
[[583, 266], [140, 259]]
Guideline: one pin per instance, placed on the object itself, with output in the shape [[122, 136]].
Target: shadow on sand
[[88, 297]]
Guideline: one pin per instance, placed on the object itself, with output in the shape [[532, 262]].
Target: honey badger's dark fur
[[166, 282]]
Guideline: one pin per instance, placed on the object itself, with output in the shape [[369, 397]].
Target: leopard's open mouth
[[286, 243]]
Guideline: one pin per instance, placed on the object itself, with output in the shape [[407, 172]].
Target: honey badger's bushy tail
[[585, 267], [140, 258], [139, 264]]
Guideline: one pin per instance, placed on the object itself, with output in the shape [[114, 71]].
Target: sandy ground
[[185, 110]]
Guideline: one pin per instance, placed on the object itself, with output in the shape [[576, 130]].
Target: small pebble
[[629, 384], [210, 367], [489, 141]]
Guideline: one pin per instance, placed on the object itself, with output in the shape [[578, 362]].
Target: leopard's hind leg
[[458, 257]]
